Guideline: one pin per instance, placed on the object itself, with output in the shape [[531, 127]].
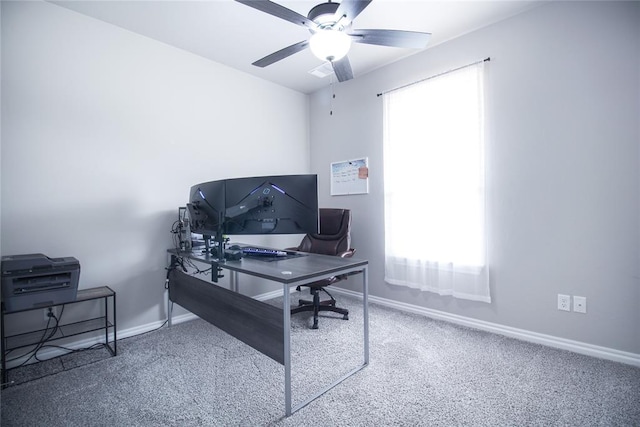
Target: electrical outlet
[[50, 310], [579, 304], [564, 302]]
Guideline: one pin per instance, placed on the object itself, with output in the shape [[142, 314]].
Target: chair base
[[317, 306]]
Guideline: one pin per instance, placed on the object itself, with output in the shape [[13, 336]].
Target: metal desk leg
[[169, 309], [233, 281], [286, 312], [172, 259], [287, 348]]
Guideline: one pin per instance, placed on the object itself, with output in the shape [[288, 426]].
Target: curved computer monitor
[[281, 204], [285, 204]]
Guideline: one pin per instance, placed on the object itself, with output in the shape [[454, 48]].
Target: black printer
[[35, 280]]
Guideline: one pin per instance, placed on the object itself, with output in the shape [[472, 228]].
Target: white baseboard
[[522, 334], [534, 337]]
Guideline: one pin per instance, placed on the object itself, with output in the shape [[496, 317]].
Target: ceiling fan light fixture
[[330, 45]]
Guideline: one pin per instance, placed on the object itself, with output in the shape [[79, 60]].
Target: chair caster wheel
[[314, 327], [345, 317]]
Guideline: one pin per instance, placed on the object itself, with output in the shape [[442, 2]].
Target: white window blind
[[434, 178]]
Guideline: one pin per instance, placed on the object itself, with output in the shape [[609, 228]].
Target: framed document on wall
[[350, 177]]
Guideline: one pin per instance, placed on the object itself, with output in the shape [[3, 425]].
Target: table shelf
[[35, 337], [27, 339]]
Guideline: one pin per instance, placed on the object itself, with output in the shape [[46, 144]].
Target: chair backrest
[[335, 233]]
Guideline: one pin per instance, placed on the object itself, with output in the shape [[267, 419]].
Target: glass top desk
[[262, 326]]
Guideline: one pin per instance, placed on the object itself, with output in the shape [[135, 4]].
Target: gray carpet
[[422, 372]]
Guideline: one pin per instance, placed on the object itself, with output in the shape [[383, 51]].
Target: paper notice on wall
[[350, 177]]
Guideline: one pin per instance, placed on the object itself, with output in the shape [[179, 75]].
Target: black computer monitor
[[280, 204], [284, 204]]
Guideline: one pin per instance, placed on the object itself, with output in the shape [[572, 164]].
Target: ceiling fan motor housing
[[324, 14]]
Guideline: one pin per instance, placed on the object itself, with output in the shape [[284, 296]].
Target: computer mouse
[[235, 247]]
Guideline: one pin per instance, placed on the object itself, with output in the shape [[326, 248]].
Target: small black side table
[[12, 342]]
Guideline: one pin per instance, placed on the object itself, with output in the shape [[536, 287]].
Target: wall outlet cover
[[54, 310], [564, 302]]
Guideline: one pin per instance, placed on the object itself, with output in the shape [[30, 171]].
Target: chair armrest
[[347, 254]]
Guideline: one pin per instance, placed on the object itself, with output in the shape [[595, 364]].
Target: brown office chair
[[334, 239]]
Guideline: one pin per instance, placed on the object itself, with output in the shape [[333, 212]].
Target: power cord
[[185, 264], [175, 231], [46, 336]]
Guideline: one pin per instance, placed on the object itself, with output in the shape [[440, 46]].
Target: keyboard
[[263, 252]]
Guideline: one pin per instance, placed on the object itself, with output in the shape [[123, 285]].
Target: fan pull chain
[[333, 96]]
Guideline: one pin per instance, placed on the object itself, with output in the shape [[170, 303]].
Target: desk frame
[[277, 271]]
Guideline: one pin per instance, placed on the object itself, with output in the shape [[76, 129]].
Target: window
[[434, 185]]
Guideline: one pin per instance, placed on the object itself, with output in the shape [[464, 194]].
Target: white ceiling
[[237, 35]]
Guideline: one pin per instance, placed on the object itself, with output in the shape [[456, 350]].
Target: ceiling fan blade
[[393, 38], [342, 69], [281, 54], [351, 8], [281, 12]]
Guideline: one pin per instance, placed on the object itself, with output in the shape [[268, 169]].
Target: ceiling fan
[[331, 33]]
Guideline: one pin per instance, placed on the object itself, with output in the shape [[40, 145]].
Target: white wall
[[104, 132], [563, 162]]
